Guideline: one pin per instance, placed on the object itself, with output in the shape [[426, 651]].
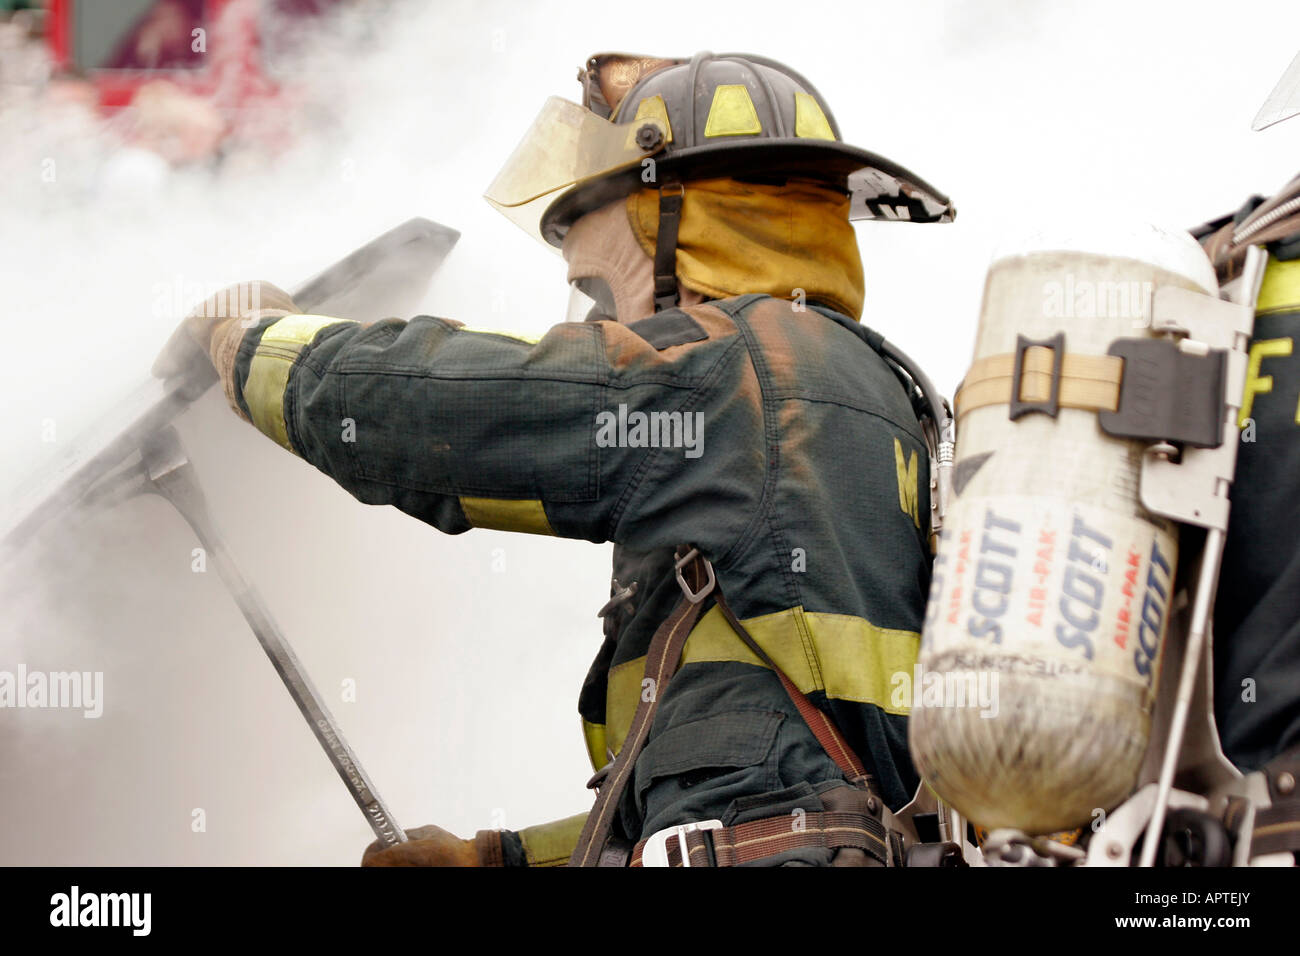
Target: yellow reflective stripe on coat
[[551, 844], [268, 374], [594, 735], [846, 657], [506, 514], [1280, 290]]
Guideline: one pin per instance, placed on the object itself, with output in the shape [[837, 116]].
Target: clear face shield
[[590, 300], [566, 146]]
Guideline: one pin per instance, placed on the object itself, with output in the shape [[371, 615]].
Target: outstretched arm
[[463, 428]]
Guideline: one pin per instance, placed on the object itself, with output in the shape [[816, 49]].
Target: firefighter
[[718, 414], [1257, 606]]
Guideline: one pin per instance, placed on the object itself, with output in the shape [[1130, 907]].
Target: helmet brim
[[879, 187]]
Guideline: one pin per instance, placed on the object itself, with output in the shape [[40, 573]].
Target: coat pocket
[[706, 763]]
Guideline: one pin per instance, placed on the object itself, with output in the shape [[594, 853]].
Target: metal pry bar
[[171, 475]]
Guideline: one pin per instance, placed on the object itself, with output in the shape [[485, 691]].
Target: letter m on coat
[[906, 483]]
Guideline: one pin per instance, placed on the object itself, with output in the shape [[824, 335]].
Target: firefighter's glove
[[434, 846], [210, 335]]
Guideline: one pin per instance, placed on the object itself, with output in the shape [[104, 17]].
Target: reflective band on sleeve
[[268, 373], [1280, 290], [504, 514], [846, 657], [551, 844]]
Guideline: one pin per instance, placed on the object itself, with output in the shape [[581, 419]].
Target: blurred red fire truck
[[186, 78]]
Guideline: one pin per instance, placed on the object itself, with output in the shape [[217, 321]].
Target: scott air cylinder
[[1052, 584]]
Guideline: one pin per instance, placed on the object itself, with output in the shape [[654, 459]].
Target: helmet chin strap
[[670, 217], [612, 270]]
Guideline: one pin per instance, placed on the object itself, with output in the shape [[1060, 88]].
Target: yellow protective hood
[[736, 238]]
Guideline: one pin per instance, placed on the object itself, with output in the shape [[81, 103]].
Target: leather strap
[[1087, 381], [1277, 829], [487, 844], [760, 839], [660, 664], [828, 735]]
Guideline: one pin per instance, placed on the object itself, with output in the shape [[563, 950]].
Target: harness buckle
[[1052, 404], [655, 851], [695, 597]]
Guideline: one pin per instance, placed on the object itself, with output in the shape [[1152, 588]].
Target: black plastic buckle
[[1053, 404], [616, 852], [1286, 249], [1167, 394]]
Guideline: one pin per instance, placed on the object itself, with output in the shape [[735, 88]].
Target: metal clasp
[[695, 597], [655, 851], [621, 595]]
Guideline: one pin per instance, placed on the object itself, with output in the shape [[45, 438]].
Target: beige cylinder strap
[[1087, 381]]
